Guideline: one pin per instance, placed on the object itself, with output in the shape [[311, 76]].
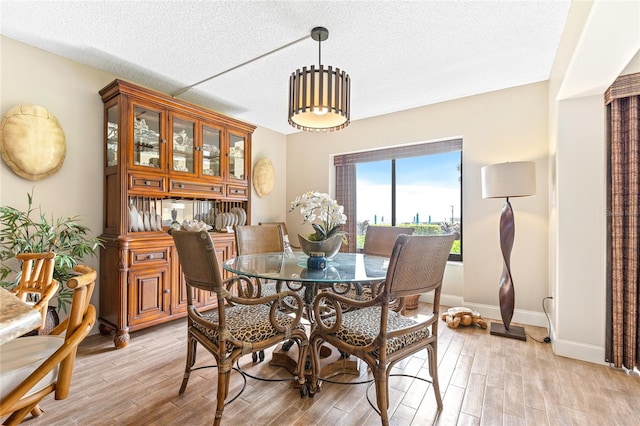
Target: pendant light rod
[[184, 89], [319, 34]]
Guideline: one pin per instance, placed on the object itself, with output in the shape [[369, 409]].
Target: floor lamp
[[506, 180]]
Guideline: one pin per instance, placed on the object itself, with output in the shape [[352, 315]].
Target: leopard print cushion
[[361, 326], [247, 323], [268, 289]]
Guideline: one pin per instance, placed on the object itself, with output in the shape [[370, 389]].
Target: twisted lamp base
[[506, 293]]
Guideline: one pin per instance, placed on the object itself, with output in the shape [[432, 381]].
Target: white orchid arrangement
[[319, 207]]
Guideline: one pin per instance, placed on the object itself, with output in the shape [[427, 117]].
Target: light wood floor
[[484, 379]]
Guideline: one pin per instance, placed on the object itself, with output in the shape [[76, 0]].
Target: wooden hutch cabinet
[[165, 161]]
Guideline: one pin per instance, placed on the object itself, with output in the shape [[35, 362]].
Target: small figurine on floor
[[465, 316]]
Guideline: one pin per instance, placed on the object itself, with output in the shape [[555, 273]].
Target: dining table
[[343, 272], [16, 317]]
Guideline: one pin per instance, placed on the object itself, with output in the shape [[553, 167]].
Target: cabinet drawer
[[196, 187], [147, 183], [236, 191], [147, 256]]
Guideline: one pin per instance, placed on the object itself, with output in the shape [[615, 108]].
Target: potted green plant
[[32, 231]]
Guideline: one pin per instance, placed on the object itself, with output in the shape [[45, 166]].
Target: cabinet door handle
[[166, 291], [163, 140], [149, 256], [147, 182], [181, 185]]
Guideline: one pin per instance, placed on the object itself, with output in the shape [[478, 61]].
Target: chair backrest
[[379, 240], [82, 317], [417, 263], [37, 279], [198, 259], [82, 286], [253, 239], [283, 225], [37, 274], [285, 235]]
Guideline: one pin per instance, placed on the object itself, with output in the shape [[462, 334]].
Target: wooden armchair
[[32, 367], [37, 279], [375, 333], [240, 325]]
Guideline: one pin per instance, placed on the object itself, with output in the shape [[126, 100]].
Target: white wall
[[599, 41], [272, 145], [70, 92], [507, 125]]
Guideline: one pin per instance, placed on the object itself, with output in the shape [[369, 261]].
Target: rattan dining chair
[[37, 285], [265, 238], [35, 366], [252, 239], [288, 245], [378, 241], [241, 324], [374, 332]]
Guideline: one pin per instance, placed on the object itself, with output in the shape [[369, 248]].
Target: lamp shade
[[517, 179], [319, 99]]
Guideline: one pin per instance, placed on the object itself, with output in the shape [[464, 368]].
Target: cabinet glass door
[[146, 137], [183, 148], [210, 151], [112, 136], [236, 156]]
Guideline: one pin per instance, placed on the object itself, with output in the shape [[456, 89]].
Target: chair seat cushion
[[20, 357], [360, 327], [268, 289], [247, 323]]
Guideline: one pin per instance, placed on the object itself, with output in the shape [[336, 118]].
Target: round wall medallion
[[32, 142], [263, 177]]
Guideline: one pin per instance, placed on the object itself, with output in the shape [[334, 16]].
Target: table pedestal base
[[332, 362]]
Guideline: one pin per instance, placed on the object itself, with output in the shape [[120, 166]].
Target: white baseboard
[[566, 348], [575, 350], [490, 312]]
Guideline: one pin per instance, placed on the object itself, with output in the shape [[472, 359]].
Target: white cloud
[[434, 201]]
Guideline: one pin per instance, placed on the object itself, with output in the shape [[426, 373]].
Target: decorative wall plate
[[263, 177], [32, 142]]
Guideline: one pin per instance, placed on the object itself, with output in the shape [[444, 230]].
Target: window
[[415, 185]]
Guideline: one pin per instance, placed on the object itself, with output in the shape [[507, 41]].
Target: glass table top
[[292, 266]]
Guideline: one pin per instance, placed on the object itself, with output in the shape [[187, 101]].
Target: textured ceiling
[[399, 55]]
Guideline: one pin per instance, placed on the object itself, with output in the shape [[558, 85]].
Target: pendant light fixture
[[319, 97]]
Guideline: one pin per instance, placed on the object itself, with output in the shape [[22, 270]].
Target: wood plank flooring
[[484, 379]]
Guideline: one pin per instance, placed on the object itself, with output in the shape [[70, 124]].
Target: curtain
[[623, 293], [346, 197]]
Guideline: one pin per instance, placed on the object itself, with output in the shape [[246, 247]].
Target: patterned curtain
[[623, 331], [346, 197]]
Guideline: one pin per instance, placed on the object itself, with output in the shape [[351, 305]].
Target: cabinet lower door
[[149, 294]]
